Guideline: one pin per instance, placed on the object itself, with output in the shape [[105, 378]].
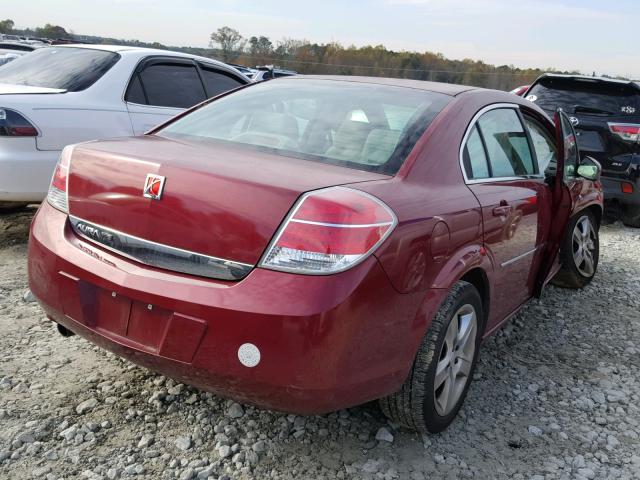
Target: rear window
[[16, 46], [364, 126], [586, 96], [71, 69]]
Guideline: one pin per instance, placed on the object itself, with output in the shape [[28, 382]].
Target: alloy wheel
[[584, 246], [455, 360]]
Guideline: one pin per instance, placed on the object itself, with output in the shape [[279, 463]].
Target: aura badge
[[153, 186]]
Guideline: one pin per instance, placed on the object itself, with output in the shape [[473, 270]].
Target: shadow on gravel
[[14, 227]]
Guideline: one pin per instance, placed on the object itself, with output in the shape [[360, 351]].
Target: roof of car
[[588, 78], [108, 48], [126, 48], [145, 51], [444, 88]]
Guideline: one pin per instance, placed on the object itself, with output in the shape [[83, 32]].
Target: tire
[[630, 215], [421, 404], [10, 207], [578, 269]]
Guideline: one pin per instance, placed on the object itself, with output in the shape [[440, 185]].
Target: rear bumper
[[612, 189], [326, 342], [25, 171]]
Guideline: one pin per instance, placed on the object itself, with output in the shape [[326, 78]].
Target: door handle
[[503, 210]]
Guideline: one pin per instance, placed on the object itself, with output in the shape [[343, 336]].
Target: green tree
[[260, 50], [52, 31], [230, 42], [6, 26], [260, 46]]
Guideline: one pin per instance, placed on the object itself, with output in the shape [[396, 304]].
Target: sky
[[586, 35]]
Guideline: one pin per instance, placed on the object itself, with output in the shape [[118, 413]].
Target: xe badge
[[153, 186]]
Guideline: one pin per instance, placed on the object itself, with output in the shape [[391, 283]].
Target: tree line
[[307, 57], [49, 31], [335, 59]]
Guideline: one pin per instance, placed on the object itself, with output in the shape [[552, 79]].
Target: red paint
[[326, 342], [217, 201]]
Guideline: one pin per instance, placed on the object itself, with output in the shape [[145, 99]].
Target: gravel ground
[[556, 396]]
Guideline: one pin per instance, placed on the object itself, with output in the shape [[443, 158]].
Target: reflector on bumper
[[158, 255]]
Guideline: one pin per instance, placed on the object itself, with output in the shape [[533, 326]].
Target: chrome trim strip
[[159, 255], [342, 225], [474, 120], [504, 179], [520, 257]]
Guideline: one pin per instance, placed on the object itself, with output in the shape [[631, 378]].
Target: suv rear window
[[72, 69], [585, 96], [364, 126]]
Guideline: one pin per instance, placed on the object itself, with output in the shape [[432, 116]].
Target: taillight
[[626, 187], [626, 131], [329, 231], [12, 124], [57, 196]]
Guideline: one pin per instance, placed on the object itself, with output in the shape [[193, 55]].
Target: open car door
[[568, 157]]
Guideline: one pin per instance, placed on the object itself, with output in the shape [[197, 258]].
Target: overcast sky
[[586, 35]]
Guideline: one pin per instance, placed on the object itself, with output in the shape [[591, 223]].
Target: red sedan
[[313, 243]]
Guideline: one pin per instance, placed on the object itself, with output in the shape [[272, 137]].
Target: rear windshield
[[71, 69], [585, 96], [364, 126]]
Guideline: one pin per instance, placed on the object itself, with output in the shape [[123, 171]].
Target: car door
[[160, 88], [564, 184], [501, 170]]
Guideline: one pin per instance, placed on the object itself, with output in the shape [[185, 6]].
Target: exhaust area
[[65, 332]]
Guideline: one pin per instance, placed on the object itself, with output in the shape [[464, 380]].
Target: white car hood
[[8, 89]]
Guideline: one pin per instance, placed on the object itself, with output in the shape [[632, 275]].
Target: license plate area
[[147, 324], [149, 327], [95, 307]]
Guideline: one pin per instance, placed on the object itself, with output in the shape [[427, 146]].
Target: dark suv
[[606, 116]]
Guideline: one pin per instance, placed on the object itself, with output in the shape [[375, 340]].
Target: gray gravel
[[556, 396]]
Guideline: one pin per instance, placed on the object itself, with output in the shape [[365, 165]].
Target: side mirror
[[590, 169]]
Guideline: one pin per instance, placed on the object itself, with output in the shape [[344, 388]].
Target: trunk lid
[[8, 89], [220, 201]]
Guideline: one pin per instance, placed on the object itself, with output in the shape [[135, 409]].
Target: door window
[[172, 85], [507, 144], [217, 82], [474, 157], [544, 146], [135, 94], [571, 155]]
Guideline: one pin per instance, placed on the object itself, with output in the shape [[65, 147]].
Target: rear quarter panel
[[439, 237], [438, 215]]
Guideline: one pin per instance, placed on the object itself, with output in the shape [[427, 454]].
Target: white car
[[62, 95], [10, 50]]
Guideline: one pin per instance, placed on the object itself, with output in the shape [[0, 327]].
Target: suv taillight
[[57, 196], [329, 231], [12, 124], [626, 131]]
